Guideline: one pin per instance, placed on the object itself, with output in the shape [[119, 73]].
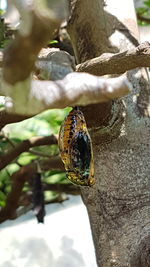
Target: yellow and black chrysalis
[[76, 149]]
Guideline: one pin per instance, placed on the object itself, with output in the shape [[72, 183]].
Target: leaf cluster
[[143, 13], [44, 124]]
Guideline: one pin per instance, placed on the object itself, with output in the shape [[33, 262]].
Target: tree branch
[[37, 96], [6, 118], [118, 63], [74, 89], [82, 89], [36, 29], [70, 189], [53, 163], [62, 188], [18, 180], [24, 147]]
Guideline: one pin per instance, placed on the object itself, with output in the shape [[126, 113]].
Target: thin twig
[[40, 154], [66, 188], [18, 180], [24, 147]]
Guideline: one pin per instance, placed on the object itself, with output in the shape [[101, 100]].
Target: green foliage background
[[144, 11], [44, 124]]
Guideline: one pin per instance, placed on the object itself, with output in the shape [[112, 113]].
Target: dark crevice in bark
[[106, 132], [97, 115]]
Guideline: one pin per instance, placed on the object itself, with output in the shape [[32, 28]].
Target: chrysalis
[[76, 149]]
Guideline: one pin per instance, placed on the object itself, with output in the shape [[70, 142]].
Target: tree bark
[[118, 204]]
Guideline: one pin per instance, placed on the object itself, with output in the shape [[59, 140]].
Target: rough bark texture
[[118, 204], [118, 63]]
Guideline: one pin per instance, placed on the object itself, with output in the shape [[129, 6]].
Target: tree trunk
[[118, 204]]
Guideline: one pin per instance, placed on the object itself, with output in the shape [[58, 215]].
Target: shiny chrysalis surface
[[76, 149]]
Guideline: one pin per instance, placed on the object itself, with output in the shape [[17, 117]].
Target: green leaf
[[2, 12], [50, 195], [28, 128], [2, 203], [26, 158], [147, 3], [2, 196], [4, 176], [13, 167], [54, 118], [47, 150], [53, 42], [57, 177]]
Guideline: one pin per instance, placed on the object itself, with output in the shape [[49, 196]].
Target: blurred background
[[65, 237]]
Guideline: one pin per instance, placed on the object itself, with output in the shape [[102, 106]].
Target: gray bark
[[118, 204]]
